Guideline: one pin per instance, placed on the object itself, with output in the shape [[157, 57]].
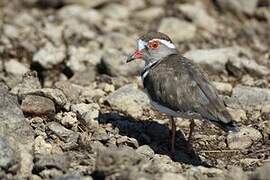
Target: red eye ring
[[153, 44]]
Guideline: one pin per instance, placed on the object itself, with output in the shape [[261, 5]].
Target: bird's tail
[[228, 127], [232, 127]]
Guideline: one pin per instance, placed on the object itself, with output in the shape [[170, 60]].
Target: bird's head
[[153, 46]]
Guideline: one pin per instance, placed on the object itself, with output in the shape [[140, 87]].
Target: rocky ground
[[70, 108]]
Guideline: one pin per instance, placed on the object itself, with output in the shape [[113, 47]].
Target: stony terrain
[[71, 108]]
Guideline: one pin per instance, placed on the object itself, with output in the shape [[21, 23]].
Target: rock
[[251, 98], [50, 3], [236, 173], [88, 112], [239, 6], [244, 138], [37, 105], [261, 172], [163, 164], [178, 30], [240, 66], [56, 95], [115, 11], [198, 14], [58, 161], [64, 134], [134, 5], [89, 94], [266, 112], [7, 154], [35, 177], [11, 31], [213, 60], [81, 58], [149, 14], [156, 3], [145, 150], [49, 56], [234, 59], [127, 141], [76, 31], [116, 40], [247, 80], [14, 127], [113, 63], [68, 119], [84, 78], [112, 25], [249, 161], [117, 160], [54, 33], [128, 99], [16, 68], [261, 83], [36, 120], [200, 172], [50, 173], [73, 177], [265, 126], [108, 88], [92, 3], [71, 91], [80, 14], [225, 88], [254, 68], [29, 82], [101, 135], [172, 176], [238, 115], [41, 146]]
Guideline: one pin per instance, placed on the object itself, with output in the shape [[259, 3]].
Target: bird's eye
[[153, 44]]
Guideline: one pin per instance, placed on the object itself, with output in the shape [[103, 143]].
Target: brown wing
[[181, 86]]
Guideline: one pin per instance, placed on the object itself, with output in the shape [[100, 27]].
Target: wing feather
[[182, 86]]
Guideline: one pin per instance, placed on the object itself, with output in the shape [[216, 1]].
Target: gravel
[[244, 138], [37, 105], [7, 155], [64, 134], [239, 6], [114, 64], [71, 108], [128, 99], [251, 97], [179, 30], [198, 14], [49, 56]]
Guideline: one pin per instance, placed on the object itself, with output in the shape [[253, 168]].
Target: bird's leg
[[173, 130], [191, 128]]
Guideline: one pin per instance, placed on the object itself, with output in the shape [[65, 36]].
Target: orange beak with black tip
[[136, 55]]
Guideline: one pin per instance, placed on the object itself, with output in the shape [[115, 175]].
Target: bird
[[177, 86]]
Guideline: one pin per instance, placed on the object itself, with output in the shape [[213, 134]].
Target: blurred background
[[64, 60], [61, 37]]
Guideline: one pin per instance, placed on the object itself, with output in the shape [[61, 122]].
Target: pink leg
[[191, 129], [173, 130]]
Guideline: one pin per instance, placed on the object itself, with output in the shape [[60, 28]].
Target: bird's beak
[[136, 55]]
